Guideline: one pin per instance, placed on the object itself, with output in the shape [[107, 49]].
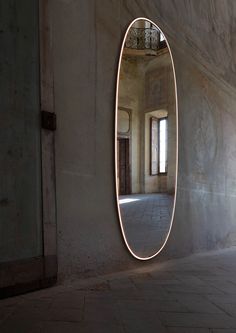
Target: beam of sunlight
[[123, 201]]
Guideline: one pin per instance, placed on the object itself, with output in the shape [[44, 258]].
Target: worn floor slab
[[191, 295]]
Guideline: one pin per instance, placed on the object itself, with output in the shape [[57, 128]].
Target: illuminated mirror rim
[[116, 127]]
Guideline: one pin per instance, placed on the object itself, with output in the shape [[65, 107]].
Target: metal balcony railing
[[143, 39]]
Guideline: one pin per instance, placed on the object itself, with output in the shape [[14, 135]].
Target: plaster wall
[[130, 97], [86, 38]]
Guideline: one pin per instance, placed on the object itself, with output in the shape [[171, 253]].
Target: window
[[153, 146], [158, 146], [162, 37], [162, 139]]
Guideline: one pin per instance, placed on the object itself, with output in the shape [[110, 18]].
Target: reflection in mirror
[[146, 139]]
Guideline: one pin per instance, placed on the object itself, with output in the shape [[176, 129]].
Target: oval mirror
[[146, 139]]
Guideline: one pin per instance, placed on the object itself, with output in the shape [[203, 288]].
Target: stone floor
[[191, 295], [146, 219]]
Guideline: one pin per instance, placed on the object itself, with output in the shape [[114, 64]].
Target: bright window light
[[162, 37], [162, 145]]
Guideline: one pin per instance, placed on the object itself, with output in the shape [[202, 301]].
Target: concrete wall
[[87, 40], [20, 146]]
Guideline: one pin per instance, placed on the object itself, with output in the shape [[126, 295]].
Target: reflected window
[[158, 146], [162, 139], [154, 146], [145, 36], [162, 37]]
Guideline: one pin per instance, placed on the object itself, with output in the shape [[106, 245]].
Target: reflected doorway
[[124, 166]]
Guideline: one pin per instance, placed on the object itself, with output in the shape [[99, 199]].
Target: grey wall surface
[[87, 40], [20, 147]]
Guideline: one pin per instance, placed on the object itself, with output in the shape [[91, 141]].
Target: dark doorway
[[124, 169]]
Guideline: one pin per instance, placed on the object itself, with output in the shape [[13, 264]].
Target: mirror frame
[[116, 166]]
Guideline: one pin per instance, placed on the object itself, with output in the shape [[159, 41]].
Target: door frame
[[129, 162]]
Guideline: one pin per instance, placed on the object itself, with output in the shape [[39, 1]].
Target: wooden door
[[123, 166]]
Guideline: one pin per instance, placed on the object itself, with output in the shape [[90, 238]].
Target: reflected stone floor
[[146, 219]]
